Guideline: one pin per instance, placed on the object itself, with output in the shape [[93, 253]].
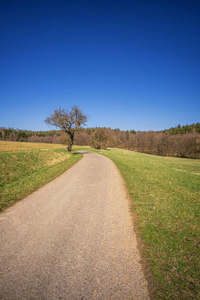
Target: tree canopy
[[99, 138], [68, 121]]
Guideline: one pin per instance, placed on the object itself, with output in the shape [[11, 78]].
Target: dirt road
[[72, 239]]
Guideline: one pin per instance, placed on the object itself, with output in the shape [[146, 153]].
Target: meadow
[[165, 196], [25, 167]]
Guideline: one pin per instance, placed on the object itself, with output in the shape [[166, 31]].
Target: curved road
[[72, 239]]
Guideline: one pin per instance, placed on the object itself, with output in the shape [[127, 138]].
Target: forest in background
[[179, 141]]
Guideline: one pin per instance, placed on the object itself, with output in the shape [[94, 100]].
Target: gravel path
[[72, 239]]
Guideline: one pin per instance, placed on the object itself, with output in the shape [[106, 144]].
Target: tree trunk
[[71, 143]]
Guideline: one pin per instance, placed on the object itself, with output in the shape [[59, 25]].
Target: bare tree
[[69, 122]]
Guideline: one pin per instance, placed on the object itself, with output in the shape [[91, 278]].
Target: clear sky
[[126, 64]]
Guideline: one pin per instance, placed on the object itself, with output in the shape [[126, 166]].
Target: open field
[[19, 146], [165, 195], [24, 167]]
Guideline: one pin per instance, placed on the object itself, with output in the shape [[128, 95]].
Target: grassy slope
[[165, 195], [27, 166]]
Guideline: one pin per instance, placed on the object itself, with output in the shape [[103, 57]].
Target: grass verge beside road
[[165, 195], [25, 167]]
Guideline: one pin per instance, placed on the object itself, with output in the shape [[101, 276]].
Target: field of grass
[[19, 146], [165, 195], [24, 167]]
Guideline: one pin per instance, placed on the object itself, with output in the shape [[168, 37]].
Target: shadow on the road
[[76, 153], [82, 152]]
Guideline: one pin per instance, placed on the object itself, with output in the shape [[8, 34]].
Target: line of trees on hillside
[[10, 134], [194, 128], [157, 143]]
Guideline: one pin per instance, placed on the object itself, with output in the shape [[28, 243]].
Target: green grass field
[[165, 195], [24, 167]]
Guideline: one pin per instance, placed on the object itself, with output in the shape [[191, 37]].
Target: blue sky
[[126, 64]]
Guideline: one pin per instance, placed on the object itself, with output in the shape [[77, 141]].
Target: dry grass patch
[[22, 172], [19, 146]]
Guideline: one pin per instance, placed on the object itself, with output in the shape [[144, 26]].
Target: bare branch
[[67, 121]]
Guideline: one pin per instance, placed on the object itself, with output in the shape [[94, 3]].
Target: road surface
[[72, 239]]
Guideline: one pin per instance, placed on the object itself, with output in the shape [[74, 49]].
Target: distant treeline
[[171, 142], [195, 128]]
